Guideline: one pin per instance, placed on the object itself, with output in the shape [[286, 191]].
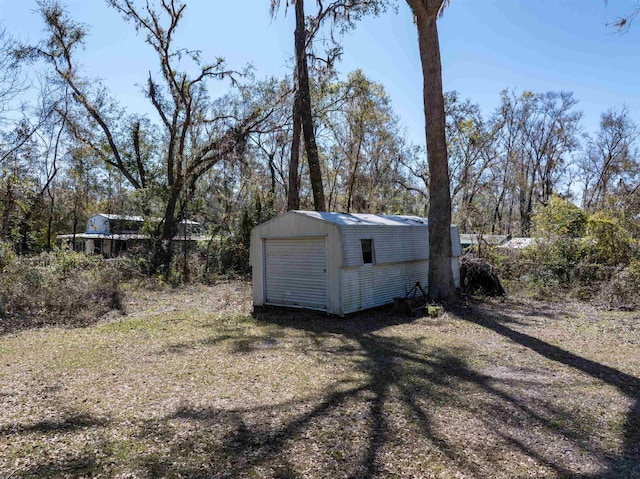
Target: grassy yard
[[190, 384]]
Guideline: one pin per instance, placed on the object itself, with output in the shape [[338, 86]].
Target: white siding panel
[[98, 224], [391, 244], [395, 281], [296, 272], [350, 280], [366, 281], [456, 247], [455, 269], [380, 284]]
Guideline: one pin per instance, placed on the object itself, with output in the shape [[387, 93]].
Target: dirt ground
[[193, 383]]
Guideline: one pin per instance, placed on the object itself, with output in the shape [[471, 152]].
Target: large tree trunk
[[162, 242], [294, 184], [302, 69], [440, 275]]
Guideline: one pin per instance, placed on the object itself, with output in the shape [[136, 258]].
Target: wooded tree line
[[311, 140]]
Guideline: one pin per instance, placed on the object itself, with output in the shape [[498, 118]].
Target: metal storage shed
[[341, 263]]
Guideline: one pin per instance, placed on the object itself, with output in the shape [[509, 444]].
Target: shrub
[[559, 218], [193, 271], [608, 242], [477, 276], [621, 291], [226, 256], [58, 288], [6, 255]]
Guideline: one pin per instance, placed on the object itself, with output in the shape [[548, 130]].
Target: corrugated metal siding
[[455, 269], [366, 280], [296, 272], [391, 244], [379, 284], [456, 248], [350, 280], [456, 252]]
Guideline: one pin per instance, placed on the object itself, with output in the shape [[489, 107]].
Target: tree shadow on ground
[[83, 465], [71, 463], [404, 406], [415, 410], [70, 422], [627, 462]]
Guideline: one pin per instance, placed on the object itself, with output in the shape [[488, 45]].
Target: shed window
[[367, 251]]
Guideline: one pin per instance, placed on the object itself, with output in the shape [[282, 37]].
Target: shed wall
[[400, 259], [380, 283], [455, 269], [391, 244], [456, 252], [394, 244], [292, 225], [456, 247]]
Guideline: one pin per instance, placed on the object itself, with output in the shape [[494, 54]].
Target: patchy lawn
[[189, 384]]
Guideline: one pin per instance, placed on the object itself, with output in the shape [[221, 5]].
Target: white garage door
[[296, 272]]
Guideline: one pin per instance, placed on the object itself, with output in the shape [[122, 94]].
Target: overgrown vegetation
[[189, 384], [591, 257], [58, 288], [478, 276]]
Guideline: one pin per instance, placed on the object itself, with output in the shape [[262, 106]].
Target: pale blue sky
[[488, 45]]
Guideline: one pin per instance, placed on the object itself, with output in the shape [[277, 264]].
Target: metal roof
[[353, 219], [110, 216], [475, 238], [122, 237], [138, 219], [519, 243], [126, 237]]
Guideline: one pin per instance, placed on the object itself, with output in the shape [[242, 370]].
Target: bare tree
[[471, 146], [341, 15], [549, 132], [610, 164], [196, 134], [302, 116], [11, 82], [29, 168], [623, 23], [364, 147], [538, 132]]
